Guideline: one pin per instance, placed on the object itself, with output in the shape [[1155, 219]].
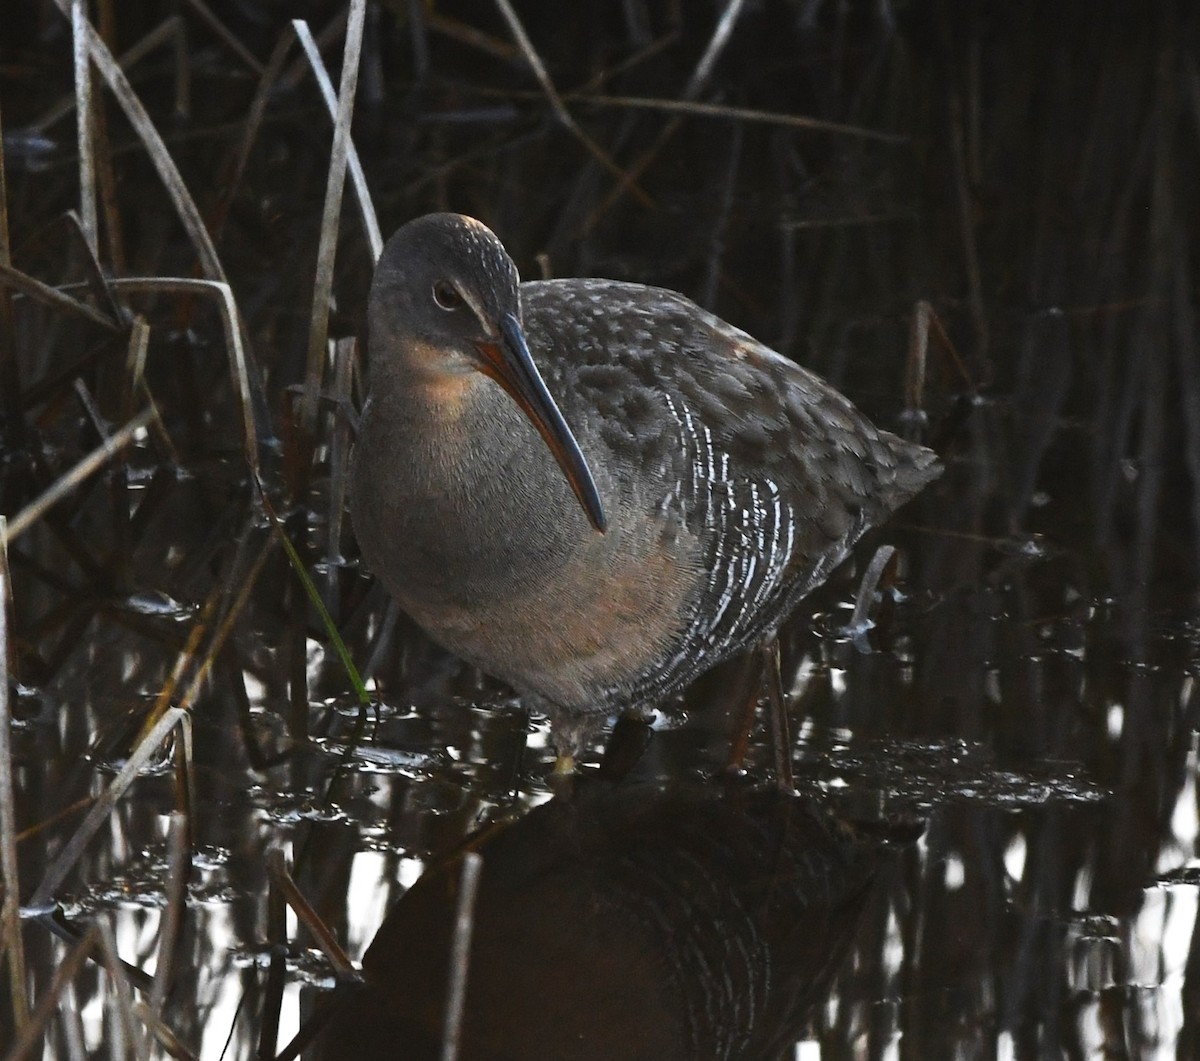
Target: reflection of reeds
[[1025, 199]]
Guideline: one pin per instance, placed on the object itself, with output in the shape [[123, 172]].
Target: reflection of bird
[[689, 485], [632, 921]]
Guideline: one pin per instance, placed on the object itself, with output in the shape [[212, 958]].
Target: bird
[[596, 490]]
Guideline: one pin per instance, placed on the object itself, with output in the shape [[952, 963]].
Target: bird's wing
[[772, 468]]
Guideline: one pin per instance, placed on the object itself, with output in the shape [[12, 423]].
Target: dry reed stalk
[[186, 655], [30, 1040], [124, 1023], [227, 38], [970, 241], [29, 832], [16, 280], [10, 376], [232, 323], [345, 351], [917, 360], [628, 180], [691, 108], [602, 77], [71, 851], [308, 917], [696, 83], [330, 219], [719, 231], [250, 128], [135, 363], [84, 125], [70, 480], [781, 740], [366, 205], [185, 206], [860, 618], [268, 1031], [71, 1020], [227, 623], [456, 30], [163, 1034], [96, 278], [106, 178], [328, 33], [722, 34], [185, 782], [163, 33], [90, 409]]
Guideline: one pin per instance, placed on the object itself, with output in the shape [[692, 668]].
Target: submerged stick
[[308, 917], [11, 941], [460, 953], [860, 621], [172, 916], [120, 998]]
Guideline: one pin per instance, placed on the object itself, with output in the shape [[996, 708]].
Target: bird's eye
[[446, 295]]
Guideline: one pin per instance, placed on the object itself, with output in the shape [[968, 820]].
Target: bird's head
[[445, 311]]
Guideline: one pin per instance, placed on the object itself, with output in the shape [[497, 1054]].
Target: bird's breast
[[491, 553]]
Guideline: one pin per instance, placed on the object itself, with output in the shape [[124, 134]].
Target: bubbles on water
[[116, 741], [309, 966], [158, 604], [1188, 875], [925, 774], [1023, 546], [378, 758], [142, 882], [302, 805]]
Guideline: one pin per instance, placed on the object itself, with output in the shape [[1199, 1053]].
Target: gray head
[[442, 285], [445, 310]]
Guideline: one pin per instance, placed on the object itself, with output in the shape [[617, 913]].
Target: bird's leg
[[781, 742], [568, 735], [747, 690], [561, 780]]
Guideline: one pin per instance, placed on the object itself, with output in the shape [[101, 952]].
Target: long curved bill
[[510, 364]]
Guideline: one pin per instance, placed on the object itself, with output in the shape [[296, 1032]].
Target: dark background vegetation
[[1029, 170]]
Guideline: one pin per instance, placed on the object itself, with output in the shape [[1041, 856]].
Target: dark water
[[1025, 699]]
